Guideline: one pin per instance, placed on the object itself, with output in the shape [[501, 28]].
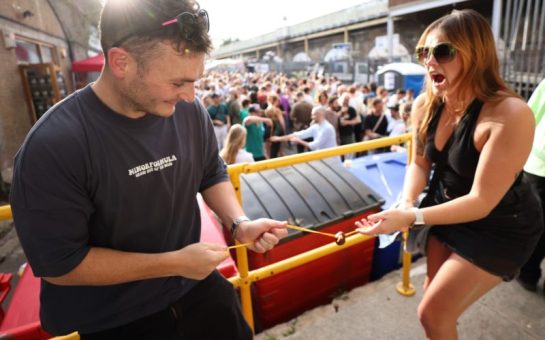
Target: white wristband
[[419, 217]]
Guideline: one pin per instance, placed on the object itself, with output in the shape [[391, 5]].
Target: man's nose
[[187, 94]]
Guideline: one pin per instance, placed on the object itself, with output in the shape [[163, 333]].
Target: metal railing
[[522, 48], [245, 278]]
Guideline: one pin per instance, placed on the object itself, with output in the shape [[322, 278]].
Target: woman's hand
[[386, 222]]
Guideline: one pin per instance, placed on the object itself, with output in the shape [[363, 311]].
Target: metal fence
[[522, 45]]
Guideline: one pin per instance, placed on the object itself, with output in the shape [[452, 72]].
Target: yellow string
[[300, 229], [239, 245], [310, 231]]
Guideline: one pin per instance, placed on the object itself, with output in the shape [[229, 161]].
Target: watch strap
[[236, 222]]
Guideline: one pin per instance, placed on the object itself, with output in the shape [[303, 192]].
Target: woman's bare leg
[[455, 286], [436, 254]]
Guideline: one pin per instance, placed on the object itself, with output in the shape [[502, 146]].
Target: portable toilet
[[402, 76]]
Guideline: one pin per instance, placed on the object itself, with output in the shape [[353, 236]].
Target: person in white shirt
[[396, 124], [233, 151], [321, 131]]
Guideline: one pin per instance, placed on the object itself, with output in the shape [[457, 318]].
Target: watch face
[[240, 219]]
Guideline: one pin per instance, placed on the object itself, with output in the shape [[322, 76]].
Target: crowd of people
[[275, 109]]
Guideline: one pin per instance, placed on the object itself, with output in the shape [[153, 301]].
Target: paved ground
[[376, 311], [11, 255]]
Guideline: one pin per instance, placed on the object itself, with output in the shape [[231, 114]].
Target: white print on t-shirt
[[150, 167]]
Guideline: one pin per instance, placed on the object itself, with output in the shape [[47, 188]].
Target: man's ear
[[119, 62]]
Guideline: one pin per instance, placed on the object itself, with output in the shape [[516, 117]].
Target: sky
[[244, 19]]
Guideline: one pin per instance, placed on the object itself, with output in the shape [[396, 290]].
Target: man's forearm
[[284, 138], [303, 143], [222, 200], [103, 266]]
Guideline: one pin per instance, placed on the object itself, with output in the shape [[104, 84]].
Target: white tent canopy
[[400, 52], [302, 57], [336, 54]]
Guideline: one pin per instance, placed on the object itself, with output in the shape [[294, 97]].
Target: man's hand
[[264, 233], [198, 260], [296, 140]]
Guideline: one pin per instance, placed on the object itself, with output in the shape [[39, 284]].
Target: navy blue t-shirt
[[89, 177]]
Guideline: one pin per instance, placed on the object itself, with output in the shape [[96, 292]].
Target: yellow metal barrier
[[5, 213], [405, 287], [246, 278], [296, 261], [71, 336]]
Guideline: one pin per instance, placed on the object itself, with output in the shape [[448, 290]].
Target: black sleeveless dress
[[501, 242]]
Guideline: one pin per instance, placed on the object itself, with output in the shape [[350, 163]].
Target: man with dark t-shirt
[[105, 184], [375, 124], [300, 115]]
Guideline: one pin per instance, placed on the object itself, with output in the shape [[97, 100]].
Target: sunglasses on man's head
[[186, 24], [442, 52]]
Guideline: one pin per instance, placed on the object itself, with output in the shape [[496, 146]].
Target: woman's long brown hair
[[470, 34]]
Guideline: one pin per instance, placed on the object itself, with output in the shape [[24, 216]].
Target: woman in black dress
[[476, 134]]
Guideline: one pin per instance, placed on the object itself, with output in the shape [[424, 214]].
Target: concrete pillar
[[496, 19], [306, 45], [390, 33], [346, 39]]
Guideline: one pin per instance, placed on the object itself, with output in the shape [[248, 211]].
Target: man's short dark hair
[[394, 107], [137, 26], [377, 101]]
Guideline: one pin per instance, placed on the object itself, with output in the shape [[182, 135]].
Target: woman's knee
[[434, 319]]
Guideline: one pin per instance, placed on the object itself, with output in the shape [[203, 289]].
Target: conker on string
[[340, 239]]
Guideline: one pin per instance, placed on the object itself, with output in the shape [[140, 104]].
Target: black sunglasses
[[442, 52], [186, 24]]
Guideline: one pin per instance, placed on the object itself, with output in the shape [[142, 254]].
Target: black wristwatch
[[236, 222]]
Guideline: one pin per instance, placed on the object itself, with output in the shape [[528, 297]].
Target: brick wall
[[14, 113]]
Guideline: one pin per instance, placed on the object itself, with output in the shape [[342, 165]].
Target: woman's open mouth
[[437, 79]]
